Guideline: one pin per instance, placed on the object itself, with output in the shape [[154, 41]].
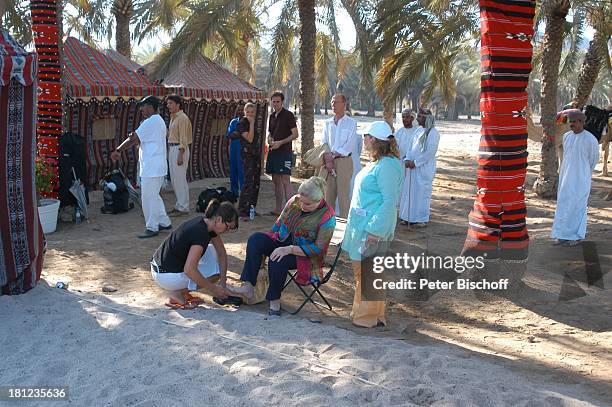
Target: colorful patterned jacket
[[311, 231]]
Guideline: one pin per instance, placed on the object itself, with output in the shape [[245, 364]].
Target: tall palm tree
[[123, 10], [14, 17], [555, 12], [220, 28], [418, 40], [308, 40], [324, 66], [597, 52]]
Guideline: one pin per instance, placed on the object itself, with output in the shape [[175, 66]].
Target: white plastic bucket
[[47, 212]]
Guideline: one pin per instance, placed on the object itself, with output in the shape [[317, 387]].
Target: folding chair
[[336, 240]]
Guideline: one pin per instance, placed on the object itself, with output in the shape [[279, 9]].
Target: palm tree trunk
[[371, 98], [123, 10], [308, 39], [254, 64], [388, 107], [590, 67], [556, 11]]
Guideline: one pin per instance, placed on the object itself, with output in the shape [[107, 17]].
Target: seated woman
[[185, 261], [299, 240]]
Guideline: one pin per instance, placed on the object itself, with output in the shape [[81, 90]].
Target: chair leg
[[316, 289], [308, 298], [291, 278]]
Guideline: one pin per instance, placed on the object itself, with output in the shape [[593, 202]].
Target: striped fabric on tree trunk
[[497, 224], [49, 120]]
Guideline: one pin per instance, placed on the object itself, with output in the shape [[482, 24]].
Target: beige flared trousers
[[365, 313]]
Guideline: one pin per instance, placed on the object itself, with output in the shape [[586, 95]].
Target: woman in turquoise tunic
[[373, 213]]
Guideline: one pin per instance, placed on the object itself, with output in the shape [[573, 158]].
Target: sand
[[218, 357], [548, 344]]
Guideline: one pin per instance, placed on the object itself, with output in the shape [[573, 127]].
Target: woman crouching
[[299, 240], [193, 257]]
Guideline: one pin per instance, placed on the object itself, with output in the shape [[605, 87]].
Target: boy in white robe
[[581, 154]]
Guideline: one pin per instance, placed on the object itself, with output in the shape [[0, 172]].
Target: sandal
[[230, 300], [178, 305], [191, 299], [404, 222]]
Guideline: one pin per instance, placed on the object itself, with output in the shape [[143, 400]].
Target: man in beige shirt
[[180, 136]]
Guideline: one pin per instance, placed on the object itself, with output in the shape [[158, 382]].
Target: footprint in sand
[[422, 396], [230, 361], [277, 368]]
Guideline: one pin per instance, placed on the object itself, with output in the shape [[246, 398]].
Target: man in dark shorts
[[282, 130]]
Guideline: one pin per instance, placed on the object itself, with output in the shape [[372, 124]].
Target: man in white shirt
[[342, 162], [420, 163], [151, 137], [580, 156]]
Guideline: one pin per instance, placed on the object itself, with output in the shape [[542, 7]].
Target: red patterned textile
[[497, 224], [21, 237], [49, 119], [80, 118], [90, 73]]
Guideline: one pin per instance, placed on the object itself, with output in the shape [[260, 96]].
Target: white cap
[[380, 130]]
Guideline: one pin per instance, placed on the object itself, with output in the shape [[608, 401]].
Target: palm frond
[[205, 23], [283, 37]]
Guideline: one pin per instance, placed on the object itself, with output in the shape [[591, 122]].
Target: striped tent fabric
[[21, 237], [497, 224], [210, 148], [90, 73], [97, 87], [202, 78], [45, 31], [109, 85], [80, 118]]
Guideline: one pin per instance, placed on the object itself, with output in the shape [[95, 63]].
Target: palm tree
[[419, 40], [555, 12], [14, 17], [324, 62], [596, 54], [221, 29], [123, 10], [308, 40]]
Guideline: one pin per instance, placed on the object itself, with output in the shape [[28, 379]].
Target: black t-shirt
[[246, 147], [280, 127], [171, 255]]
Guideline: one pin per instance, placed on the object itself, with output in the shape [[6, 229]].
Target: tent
[[21, 237], [212, 95], [102, 95], [101, 105]]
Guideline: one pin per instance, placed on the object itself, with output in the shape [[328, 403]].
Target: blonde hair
[[249, 105], [313, 188], [380, 148]]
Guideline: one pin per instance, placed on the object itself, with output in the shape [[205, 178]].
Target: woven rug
[[21, 238]]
